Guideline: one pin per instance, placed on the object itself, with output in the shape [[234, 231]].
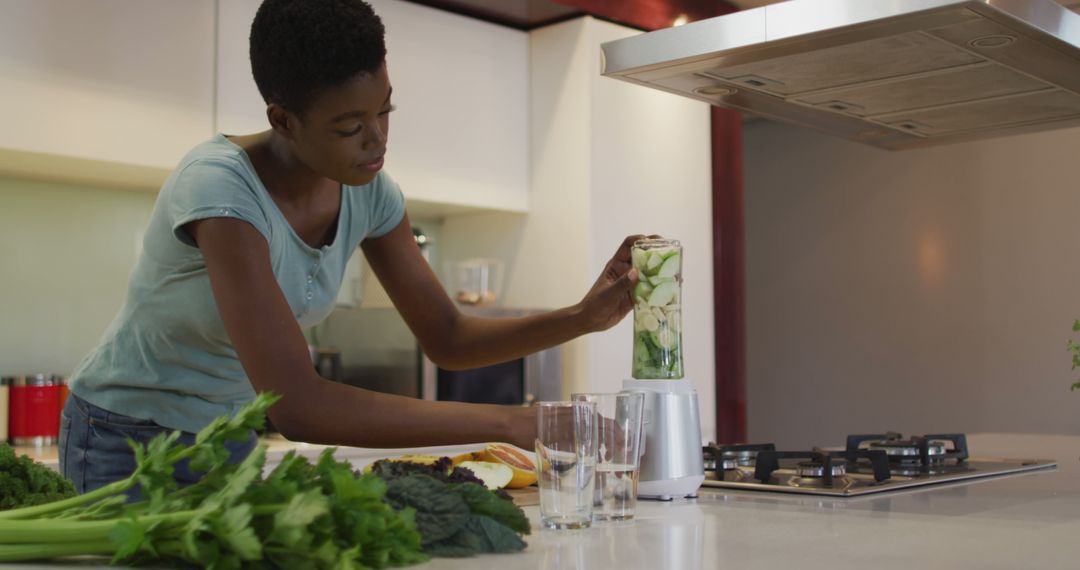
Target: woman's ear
[[282, 121]]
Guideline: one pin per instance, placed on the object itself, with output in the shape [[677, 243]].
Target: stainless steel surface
[[672, 433], [864, 484], [909, 450], [807, 469], [893, 74]]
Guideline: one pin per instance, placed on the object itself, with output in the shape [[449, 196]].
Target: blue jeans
[[94, 450]]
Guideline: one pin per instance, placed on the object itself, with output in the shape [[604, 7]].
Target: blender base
[[671, 461]]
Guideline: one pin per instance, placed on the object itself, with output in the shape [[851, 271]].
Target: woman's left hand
[[611, 297]]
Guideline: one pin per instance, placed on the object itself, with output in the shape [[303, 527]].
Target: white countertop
[[1018, 522]]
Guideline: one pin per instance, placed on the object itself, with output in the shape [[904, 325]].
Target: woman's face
[[342, 136]]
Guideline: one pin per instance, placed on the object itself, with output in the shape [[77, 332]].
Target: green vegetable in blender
[[657, 309]]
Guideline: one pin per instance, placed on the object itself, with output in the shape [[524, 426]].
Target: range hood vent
[[889, 73]]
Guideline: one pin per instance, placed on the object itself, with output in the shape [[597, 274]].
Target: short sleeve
[[212, 188], [387, 206]]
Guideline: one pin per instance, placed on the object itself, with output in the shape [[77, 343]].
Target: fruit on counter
[[469, 456], [522, 466], [657, 350], [494, 475]]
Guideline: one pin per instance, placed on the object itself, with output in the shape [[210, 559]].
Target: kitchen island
[[1017, 522]]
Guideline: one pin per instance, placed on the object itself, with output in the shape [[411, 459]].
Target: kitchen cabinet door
[[126, 81], [459, 138]]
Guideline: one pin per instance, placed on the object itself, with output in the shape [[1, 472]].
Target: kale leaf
[[440, 512], [454, 513], [24, 482]]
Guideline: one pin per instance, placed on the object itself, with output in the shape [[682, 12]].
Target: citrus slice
[[517, 460], [494, 475], [469, 456]]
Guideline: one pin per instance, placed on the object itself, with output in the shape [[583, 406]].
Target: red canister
[[35, 410], [64, 391]]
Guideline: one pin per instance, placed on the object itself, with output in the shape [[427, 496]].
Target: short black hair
[[299, 47]]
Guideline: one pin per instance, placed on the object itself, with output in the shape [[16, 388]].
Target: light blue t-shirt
[[166, 356]]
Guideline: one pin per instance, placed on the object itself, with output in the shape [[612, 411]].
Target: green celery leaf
[[290, 523], [234, 530], [128, 536]]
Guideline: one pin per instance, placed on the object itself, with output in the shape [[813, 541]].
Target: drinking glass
[[566, 463], [618, 457], [657, 309]]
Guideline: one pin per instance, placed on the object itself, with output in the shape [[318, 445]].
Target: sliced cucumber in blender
[[670, 267], [663, 294], [642, 289], [654, 263]]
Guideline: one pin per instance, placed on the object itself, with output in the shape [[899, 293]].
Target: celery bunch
[[301, 515]]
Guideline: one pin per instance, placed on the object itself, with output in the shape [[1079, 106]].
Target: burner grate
[[926, 451], [769, 461]]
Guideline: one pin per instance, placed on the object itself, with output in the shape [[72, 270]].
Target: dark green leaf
[[483, 502], [440, 512], [479, 534]]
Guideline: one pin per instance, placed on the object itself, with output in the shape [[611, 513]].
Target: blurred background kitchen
[[926, 289]]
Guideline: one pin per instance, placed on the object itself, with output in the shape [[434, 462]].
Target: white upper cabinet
[[128, 81], [460, 135]]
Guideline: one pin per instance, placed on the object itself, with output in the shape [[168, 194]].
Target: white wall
[[461, 87], [609, 159], [128, 81], [921, 291]]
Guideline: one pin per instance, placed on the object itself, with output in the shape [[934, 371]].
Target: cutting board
[[527, 497]]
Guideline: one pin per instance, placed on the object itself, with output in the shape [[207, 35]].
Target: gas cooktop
[[871, 463]]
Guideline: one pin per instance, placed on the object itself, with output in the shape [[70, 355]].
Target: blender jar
[[657, 309]]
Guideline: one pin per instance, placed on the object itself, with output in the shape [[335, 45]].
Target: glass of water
[[618, 455], [566, 463]]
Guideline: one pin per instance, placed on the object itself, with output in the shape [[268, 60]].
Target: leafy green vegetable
[[24, 482], [299, 516], [454, 519], [439, 511], [1074, 348], [442, 470], [483, 502], [479, 534]]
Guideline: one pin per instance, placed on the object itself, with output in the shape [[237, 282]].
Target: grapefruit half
[[517, 460]]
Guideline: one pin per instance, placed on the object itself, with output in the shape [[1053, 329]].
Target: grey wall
[[66, 253], [921, 291]]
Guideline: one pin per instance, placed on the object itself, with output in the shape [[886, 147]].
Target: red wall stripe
[[728, 276]]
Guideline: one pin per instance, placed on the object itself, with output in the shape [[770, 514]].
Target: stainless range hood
[[889, 73]]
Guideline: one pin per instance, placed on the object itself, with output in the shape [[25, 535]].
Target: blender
[[671, 461]]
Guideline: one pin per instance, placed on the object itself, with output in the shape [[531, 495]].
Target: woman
[[248, 243]]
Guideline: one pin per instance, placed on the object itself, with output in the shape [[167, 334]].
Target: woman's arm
[[454, 340], [273, 352]]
